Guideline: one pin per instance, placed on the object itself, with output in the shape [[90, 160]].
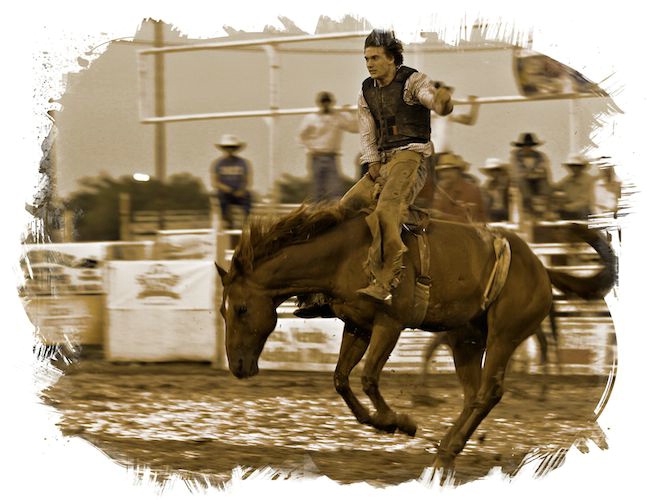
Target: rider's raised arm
[[419, 88]]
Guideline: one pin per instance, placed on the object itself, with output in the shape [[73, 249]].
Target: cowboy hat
[[230, 141], [493, 164], [527, 139], [450, 160], [576, 161]]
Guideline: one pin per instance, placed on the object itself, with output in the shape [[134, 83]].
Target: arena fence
[[158, 300]]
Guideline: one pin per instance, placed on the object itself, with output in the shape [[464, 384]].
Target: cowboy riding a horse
[[488, 288]]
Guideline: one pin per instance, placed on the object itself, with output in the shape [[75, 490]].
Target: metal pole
[[124, 217], [302, 111], [272, 119], [220, 241], [573, 140], [160, 127], [256, 42]]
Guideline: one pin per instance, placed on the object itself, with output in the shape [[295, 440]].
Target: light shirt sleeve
[[419, 89], [348, 121], [367, 132], [306, 130]]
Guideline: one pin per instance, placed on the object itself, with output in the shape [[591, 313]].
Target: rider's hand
[[443, 101], [374, 170]]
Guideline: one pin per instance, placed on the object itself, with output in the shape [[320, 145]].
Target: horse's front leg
[[385, 335], [353, 346]]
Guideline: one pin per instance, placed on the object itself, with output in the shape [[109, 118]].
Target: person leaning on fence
[[607, 191], [574, 194], [321, 134], [441, 134], [531, 173], [231, 178], [394, 123], [456, 199], [496, 190]]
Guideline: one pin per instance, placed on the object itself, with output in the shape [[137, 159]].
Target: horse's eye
[[240, 310]]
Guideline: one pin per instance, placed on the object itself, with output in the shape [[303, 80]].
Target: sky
[[597, 41]]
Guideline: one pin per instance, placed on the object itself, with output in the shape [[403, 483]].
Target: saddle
[[496, 280]]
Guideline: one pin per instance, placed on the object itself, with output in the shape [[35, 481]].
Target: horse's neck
[[305, 267]]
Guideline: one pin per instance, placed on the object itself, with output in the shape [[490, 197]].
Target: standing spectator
[[441, 133], [457, 199], [531, 171], [321, 134], [497, 189], [606, 190], [231, 178], [441, 126], [574, 193]]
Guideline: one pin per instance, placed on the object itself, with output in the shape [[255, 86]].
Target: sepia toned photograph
[[341, 249]]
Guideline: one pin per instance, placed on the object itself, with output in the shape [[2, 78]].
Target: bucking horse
[[323, 250]]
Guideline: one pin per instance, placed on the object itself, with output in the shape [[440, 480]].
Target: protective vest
[[398, 123]]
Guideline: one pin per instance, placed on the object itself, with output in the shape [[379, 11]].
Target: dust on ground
[[189, 419]]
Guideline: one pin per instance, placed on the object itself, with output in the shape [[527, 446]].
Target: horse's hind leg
[[437, 340], [383, 339], [467, 345], [543, 353], [490, 392], [353, 347]]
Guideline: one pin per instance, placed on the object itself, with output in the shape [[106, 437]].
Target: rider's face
[[380, 66]]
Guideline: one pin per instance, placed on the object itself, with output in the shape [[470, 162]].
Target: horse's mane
[[263, 236]]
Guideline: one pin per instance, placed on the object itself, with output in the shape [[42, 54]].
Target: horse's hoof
[[444, 462], [406, 424], [381, 423]]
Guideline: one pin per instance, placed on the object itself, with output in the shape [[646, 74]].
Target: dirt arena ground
[[190, 419]]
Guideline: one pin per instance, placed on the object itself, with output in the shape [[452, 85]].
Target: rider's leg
[[405, 175], [358, 197]]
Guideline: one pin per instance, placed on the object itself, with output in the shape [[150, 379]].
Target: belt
[[324, 154]]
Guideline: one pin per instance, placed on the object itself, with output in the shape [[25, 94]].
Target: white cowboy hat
[[494, 163], [450, 160], [230, 141], [576, 160]]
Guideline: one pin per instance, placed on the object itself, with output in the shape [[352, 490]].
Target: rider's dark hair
[[387, 40]]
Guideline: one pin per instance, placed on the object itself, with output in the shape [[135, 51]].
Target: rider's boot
[[314, 305]]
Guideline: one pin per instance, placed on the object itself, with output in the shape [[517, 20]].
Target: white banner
[[185, 244], [160, 311], [67, 320], [147, 284], [63, 269]]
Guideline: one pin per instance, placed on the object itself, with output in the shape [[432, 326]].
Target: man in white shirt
[[321, 133], [394, 123]]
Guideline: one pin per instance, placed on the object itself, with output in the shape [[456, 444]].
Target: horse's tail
[[589, 287]]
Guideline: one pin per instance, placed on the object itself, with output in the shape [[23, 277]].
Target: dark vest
[[398, 123]]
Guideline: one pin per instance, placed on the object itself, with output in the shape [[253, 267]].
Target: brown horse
[[320, 250]]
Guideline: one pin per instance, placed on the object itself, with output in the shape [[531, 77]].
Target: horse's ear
[[221, 271]]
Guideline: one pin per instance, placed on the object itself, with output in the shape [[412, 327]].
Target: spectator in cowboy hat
[[496, 190], [456, 198], [607, 190], [231, 178], [531, 172], [574, 194]]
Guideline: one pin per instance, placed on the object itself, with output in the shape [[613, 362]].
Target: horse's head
[[250, 316]]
